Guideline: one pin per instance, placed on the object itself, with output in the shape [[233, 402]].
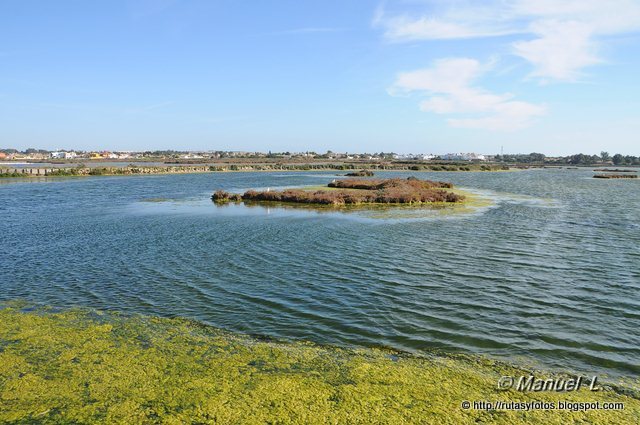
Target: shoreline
[[84, 365], [28, 172]]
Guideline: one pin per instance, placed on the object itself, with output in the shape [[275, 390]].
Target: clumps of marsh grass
[[79, 366], [356, 192], [322, 197], [378, 184], [361, 173], [221, 196]]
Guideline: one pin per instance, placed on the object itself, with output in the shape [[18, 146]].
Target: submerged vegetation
[[79, 366], [355, 192]]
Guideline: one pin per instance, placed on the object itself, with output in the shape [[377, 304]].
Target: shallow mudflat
[[83, 366]]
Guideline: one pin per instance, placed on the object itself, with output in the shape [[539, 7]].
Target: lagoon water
[[547, 274]]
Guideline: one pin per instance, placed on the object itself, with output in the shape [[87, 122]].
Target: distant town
[[43, 155]]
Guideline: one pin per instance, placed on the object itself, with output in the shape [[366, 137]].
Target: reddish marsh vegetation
[[361, 173], [378, 184], [355, 192], [222, 196], [615, 176]]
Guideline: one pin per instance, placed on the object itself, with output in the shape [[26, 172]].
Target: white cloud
[[604, 17], [566, 34], [507, 116], [405, 28], [447, 76], [449, 90], [560, 51]]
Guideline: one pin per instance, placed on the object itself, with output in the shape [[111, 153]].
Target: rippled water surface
[[548, 272]]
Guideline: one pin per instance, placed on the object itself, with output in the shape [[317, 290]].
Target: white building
[[191, 156], [63, 155], [413, 157], [463, 157]]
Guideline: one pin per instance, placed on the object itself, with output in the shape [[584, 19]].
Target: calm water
[[548, 275]]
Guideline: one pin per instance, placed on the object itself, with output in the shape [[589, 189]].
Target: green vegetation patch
[[5, 173], [78, 366]]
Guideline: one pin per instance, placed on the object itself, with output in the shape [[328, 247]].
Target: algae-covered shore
[[83, 366]]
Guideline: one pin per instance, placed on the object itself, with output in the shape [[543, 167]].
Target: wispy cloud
[[148, 108], [559, 39], [448, 88], [404, 27], [310, 30], [559, 52]]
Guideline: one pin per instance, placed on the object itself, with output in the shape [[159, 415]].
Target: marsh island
[[354, 192], [615, 176], [361, 173]]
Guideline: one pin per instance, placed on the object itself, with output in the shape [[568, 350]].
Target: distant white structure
[[191, 156], [463, 157], [63, 155], [411, 156]]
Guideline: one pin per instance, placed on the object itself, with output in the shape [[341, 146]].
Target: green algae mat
[[81, 366]]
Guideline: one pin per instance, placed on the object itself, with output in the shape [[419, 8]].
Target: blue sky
[[402, 76]]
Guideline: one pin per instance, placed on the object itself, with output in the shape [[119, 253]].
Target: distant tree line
[[577, 159], [523, 158], [604, 157]]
